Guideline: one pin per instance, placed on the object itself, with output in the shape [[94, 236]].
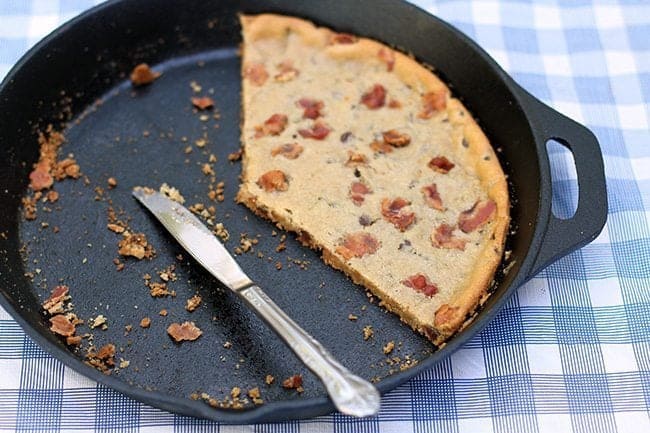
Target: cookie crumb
[[388, 348], [293, 382], [269, 379], [367, 332], [193, 303], [186, 331], [352, 317], [142, 75], [145, 322]]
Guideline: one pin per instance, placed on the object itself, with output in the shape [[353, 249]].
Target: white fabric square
[[10, 377], [475, 425], [632, 422], [570, 109], [41, 25], [468, 364], [486, 12], [608, 16], [393, 427], [605, 292], [534, 293], [4, 315], [619, 358], [554, 423], [620, 62], [557, 64], [633, 116], [547, 17], [603, 237], [641, 168], [544, 359]]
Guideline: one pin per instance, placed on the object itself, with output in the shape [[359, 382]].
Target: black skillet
[[76, 76]]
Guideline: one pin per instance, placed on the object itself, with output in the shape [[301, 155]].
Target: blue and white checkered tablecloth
[[571, 350]]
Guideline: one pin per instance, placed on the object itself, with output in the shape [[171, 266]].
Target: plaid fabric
[[571, 350]]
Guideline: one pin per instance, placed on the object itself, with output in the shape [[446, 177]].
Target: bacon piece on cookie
[[476, 216]]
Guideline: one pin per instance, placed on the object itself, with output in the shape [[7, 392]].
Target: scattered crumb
[[98, 321], [135, 245], [367, 332], [221, 231], [202, 102], [193, 303], [254, 394], [235, 156], [278, 266], [142, 75], [103, 359], [352, 317], [145, 322], [269, 379], [112, 182], [172, 193], [124, 363], [162, 312], [235, 392], [293, 382], [227, 345], [196, 88], [186, 331], [388, 348]]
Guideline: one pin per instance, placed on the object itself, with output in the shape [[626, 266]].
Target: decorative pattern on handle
[[351, 394]]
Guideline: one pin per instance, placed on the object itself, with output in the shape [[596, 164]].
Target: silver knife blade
[[195, 237]]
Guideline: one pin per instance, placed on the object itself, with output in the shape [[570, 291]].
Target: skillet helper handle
[[566, 235], [350, 394]]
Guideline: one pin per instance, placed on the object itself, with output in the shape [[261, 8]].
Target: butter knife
[[350, 394]]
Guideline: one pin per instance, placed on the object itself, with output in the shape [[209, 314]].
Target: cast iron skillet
[[86, 60]]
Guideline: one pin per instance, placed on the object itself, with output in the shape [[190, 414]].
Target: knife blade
[[350, 394]]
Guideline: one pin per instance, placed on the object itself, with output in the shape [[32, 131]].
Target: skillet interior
[[75, 66]]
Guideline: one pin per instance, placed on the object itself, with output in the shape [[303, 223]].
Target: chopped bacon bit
[[287, 72], [394, 103], [142, 74], [342, 38], [288, 150], [381, 147], [357, 192], [54, 304], [433, 102], [358, 244], [202, 103], [61, 325], [293, 382], [274, 125], [396, 138], [441, 164], [394, 212], [442, 237], [356, 159], [444, 314], [432, 196], [387, 56], [375, 97], [312, 108], [104, 359], [256, 74], [421, 283], [187, 331], [476, 216], [274, 180], [74, 340], [318, 131], [40, 178]]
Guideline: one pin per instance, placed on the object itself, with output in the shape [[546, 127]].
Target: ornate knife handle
[[351, 394]]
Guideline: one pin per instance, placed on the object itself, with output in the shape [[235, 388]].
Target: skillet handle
[[566, 235]]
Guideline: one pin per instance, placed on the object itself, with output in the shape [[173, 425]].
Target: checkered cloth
[[569, 352]]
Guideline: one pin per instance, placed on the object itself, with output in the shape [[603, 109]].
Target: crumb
[[98, 321], [201, 142], [203, 102], [162, 312], [193, 303], [235, 392], [135, 245], [196, 88], [52, 196], [221, 231], [103, 359], [207, 170], [187, 331], [172, 193], [188, 150], [112, 182], [235, 156], [158, 290], [227, 345], [388, 348], [293, 382], [352, 317], [254, 394], [115, 228], [124, 363], [367, 332], [278, 266], [269, 379], [281, 247], [142, 75], [145, 322]]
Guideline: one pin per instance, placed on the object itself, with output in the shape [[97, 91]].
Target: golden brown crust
[[480, 156]]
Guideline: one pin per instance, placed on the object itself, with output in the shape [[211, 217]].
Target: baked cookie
[[366, 155]]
